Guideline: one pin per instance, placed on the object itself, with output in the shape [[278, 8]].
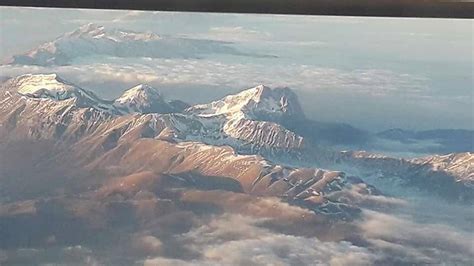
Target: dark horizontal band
[[392, 8]]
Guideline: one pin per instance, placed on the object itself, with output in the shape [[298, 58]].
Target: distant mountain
[[450, 176], [325, 133], [92, 39], [431, 141]]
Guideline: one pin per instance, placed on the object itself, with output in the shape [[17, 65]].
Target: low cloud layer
[[239, 240], [241, 233], [232, 239], [368, 82], [399, 239]]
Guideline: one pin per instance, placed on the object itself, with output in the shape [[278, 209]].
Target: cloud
[[356, 195], [166, 262], [147, 244], [70, 255], [232, 239], [411, 242], [367, 98], [239, 234], [368, 82]]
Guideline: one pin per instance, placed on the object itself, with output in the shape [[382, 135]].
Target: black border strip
[[382, 8]]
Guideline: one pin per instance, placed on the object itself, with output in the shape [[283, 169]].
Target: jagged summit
[[142, 99], [260, 102]]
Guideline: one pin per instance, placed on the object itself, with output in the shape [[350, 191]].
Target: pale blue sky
[[374, 73]]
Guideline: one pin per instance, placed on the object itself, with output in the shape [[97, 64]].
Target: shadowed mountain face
[[166, 179]]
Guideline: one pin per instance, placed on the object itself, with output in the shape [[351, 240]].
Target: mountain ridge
[[103, 131], [93, 39]]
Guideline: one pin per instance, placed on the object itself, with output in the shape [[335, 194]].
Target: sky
[[372, 73]]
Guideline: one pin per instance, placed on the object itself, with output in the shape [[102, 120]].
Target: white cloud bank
[[239, 240], [367, 82], [402, 240], [232, 239]]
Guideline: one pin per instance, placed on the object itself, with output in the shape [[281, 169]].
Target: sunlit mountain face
[[155, 138]]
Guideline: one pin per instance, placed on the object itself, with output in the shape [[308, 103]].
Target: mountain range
[[96, 40], [245, 131], [141, 169], [116, 138]]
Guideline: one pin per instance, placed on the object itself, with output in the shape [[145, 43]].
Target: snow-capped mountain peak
[[260, 102], [254, 116], [142, 99], [46, 86], [141, 92], [38, 87]]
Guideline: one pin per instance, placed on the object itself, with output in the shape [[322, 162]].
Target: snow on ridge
[[47, 86], [234, 125], [143, 99], [141, 92], [460, 165], [51, 87], [92, 39], [227, 154], [231, 105], [251, 103], [254, 116], [29, 83]]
